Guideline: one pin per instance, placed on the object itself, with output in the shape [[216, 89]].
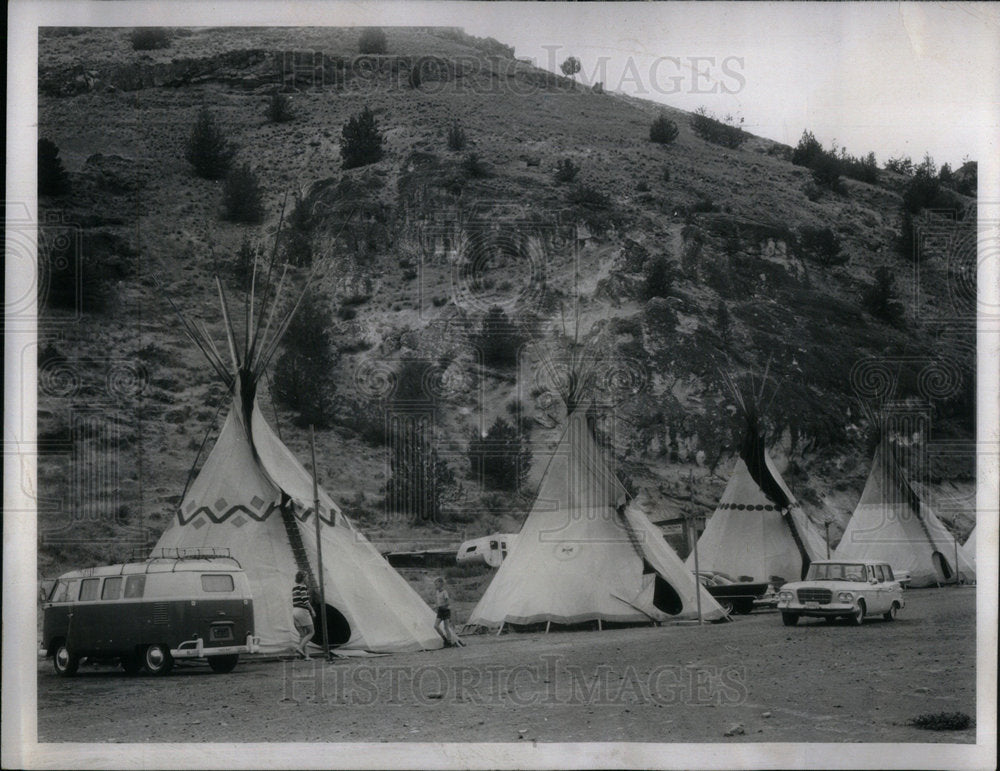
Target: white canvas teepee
[[254, 497], [758, 530], [583, 555], [891, 523]]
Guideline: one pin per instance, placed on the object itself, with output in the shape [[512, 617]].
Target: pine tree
[[52, 176], [303, 378], [208, 150], [362, 140]]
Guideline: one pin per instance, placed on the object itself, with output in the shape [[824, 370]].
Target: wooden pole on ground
[[319, 545], [500, 629]]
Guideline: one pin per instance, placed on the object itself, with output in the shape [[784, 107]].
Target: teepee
[[254, 497], [585, 552], [758, 530], [891, 523]]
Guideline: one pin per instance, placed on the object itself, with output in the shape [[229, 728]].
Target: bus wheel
[[156, 659], [132, 664], [223, 664], [64, 662]]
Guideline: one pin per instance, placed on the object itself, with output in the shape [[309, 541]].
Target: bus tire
[[64, 661], [223, 664], [156, 659]]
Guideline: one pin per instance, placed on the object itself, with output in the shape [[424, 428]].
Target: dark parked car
[[734, 596]]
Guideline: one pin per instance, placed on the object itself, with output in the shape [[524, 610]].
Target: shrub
[[149, 38], [586, 195], [826, 172], [420, 480], [474, 167], [499, 339], [807, 151], [665, 174], [502, 456], [822, 244], [726, 133], [362, 140], [52, 176], [570, 67], [703, 205], [901, 165], [642, 186], [658, 278], [242, 195], [923, 190], [942, 721], [279, 108], [456, 137], [208, 150], [863, 169], [566, 170], [663, 131], [303, 378], [372, 41], [880, 299]]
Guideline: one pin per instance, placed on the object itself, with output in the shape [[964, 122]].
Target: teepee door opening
[[941, 566], [338, 628], [665, 597]]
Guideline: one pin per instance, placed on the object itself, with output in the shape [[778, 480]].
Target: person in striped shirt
[[302, 613]]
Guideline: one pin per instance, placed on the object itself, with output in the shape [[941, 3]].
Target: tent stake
[[319, 547], [599, 627], [547, 625], [500, 629]]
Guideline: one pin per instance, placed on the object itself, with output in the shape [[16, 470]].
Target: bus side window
[[88, 589], [60, 592], [134, 587], [112, 588]]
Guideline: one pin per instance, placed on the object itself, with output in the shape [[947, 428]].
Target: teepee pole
[[229, 325], [319, 546]]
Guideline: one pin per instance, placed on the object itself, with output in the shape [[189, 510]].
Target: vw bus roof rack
[[178, 554]]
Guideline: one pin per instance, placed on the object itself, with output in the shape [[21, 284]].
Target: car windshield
[[836, 571]]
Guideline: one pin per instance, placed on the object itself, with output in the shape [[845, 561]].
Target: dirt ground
[[680, 683]]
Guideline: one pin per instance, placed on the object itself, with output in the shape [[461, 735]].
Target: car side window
[[871, 572], [888, 573], [134, 587]]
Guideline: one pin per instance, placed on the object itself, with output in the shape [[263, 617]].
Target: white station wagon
[[842, 588]]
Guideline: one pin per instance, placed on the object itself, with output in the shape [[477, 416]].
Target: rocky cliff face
[[419, 246]]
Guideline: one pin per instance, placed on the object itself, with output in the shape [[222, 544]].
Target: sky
[[896, 79], [893, 78]]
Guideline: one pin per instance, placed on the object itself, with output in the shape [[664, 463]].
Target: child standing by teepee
[[442, 625]]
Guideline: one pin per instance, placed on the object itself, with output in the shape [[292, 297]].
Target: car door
[[878, 602]]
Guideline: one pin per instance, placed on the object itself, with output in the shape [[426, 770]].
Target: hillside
[[415, 249]]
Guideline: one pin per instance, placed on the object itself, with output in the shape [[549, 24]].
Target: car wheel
[[789, 619], [223, 664], [727, 606], [64, 661], [132, 664], [744, 607], [858, 616], [156, 659], [890, 615]]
